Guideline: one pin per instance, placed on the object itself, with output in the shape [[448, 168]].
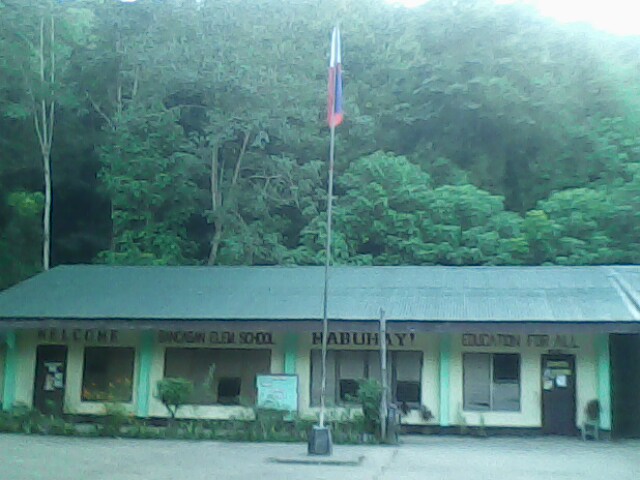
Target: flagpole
[[383, 374], [327, 261]]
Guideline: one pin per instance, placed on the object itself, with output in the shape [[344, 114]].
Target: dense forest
[[193, 132]]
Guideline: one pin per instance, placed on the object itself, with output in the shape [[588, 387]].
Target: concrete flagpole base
[[320, 442]]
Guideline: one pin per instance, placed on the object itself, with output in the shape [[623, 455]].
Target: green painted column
[[10, 371], [144, 391], [290, 353], [445, 365], [604, 379]]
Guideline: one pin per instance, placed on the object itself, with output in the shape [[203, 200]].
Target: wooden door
[[558, 395], [49, 384]]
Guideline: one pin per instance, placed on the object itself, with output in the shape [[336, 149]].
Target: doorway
[[558, 395], [625, 385], [49, 384]]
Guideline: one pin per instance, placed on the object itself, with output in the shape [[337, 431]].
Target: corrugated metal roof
[[560, 294], [627, 281], [631, 274]]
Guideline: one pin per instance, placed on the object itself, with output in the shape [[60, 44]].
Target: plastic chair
[[591, 425], [591, 428]]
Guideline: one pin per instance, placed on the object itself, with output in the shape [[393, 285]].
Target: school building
[[504, 347]]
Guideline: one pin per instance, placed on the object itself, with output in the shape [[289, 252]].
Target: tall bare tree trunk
[[44, 116], [46, 240], [216, 193], [215, 243]]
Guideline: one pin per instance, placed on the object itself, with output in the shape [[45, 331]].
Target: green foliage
[[20, 236], [173, 393], [22, 419], [148, 178], [369, 396], [277, 426], [475, 134], [539, 234], [261, 426], [390, 215], [115, 417]]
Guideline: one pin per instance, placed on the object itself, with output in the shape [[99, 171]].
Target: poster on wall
[[278, 392]]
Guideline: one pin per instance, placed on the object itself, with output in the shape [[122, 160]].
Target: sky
[[621, 17]]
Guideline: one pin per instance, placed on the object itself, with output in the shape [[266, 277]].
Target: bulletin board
[[278, 392]]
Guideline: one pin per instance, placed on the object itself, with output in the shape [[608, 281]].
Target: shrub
[[116, 416], [269, 423], [369, 396], [174, 392], [25, 419]]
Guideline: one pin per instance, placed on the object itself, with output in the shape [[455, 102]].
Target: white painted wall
[[530, 414], [27, 342], [427, 344], [157, 409]]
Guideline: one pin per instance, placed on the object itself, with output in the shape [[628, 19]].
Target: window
[[346, 368], [229, 390], [219, 376], [107, 374], [407, 370], [491, 381], [352, 367], [348, 389]]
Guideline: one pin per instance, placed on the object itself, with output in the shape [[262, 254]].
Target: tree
[[388, 214], [192, 132], [239, 130], [40, 39], [539, 233], [35, 44], [44, 117], [173, 393], [149, 178], [623, 224], [580, 219], [20, 236]]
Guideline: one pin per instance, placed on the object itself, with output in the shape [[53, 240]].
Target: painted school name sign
[[515, 341], [215, 338]]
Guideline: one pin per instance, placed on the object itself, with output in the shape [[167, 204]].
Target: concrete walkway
[[431, 457]]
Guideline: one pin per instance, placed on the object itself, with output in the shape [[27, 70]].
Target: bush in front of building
[[263, 426], [114, 419], [173, 393], [22, 419], [369, 397], [258, 425]]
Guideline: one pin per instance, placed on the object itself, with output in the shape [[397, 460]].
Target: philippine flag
[[334, 104]]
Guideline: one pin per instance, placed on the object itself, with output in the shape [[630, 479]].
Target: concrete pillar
[[290, 353], [445, 365], [145, 362], [10, 371], [604, 379]]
